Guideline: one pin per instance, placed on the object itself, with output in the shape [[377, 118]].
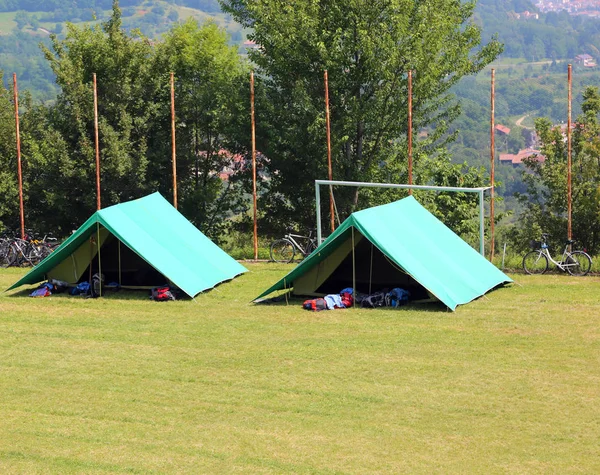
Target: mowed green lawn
[[507, 384]]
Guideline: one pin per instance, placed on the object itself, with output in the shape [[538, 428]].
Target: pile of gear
[[385, 298], [84, 289]]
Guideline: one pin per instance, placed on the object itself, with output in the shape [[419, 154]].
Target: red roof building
[[517, 159], [502, 129]]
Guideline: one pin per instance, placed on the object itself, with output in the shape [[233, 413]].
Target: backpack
[[347, 299], [374, 300], [43, 291], [162, 294], [396, 297], [83, 288], [315, 304], [97, 285]]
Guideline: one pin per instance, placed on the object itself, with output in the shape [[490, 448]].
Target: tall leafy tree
[[9, 197], [126, 106], [546, 197], [208, 74], [367, 47]]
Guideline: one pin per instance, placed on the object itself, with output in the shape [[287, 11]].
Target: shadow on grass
[[283, 301], [123, 294]]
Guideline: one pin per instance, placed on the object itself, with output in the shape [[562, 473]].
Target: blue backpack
[[83, 288], [397, 297]]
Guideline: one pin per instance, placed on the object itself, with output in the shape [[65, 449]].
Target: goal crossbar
[[480, 190]]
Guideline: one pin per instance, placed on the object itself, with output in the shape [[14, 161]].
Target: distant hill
[[55, 5], [24, 24]]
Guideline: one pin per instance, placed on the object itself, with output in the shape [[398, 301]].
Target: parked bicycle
[[574, 262], [23, 252], [285, 249]]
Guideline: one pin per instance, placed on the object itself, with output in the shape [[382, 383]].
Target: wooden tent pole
[[353, 272], [19, 169], [99, 259], [173, 145], [253, 133], [97, 144], [329, 167], [410, 156], [569, 163], [120, 280], [492, 164]]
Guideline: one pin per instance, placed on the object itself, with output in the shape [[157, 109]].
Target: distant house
[[585, 60], [517, 159], [249, 44], [502, 129], [526, 15]]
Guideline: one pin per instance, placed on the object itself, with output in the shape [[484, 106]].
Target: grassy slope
[[508, 383], [7, 23]]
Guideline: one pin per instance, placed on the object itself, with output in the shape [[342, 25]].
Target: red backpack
[[315, 304], [162, 294]]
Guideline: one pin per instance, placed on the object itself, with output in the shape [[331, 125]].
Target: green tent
[[399, 244], [139, 244]]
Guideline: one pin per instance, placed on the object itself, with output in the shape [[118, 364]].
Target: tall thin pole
[[97, 141], [253, 123], [569, 188], [329, 168], [410, 157], [173, 147], [492, 163], [19, 169]]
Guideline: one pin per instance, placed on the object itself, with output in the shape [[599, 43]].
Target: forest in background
[[525, 90]]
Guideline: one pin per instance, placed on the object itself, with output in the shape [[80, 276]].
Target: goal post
[[458, 189]]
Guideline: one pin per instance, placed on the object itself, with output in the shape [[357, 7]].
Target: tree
[[208, 75], [546, 197], [126, 89], [9, 194], [22, 19], [34, 22], [367, 47]]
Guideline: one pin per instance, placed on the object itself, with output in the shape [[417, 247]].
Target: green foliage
[[368, 48], [208, 73], [555, 35], [546, 197], [9, 194], [125, 90], [134, 108]]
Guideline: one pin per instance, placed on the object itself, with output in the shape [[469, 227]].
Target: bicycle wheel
[[12, 257], [282, 250], [310, 247], [578, 263], [5, 258], [535, 262]]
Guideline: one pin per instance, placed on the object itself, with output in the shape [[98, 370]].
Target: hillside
[[24, 24], [530, 74]]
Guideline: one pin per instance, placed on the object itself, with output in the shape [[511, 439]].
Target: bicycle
[[284, 250], [30, 251], [576, 263]]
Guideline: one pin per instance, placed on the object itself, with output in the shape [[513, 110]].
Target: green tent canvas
[[143, 243], [399, 244]]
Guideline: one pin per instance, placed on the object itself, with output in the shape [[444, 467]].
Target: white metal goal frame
[[458, 189]]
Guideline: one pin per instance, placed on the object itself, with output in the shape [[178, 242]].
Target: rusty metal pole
[[19, 169], [410, 157], [569, 186], [329, 168], [492, 163], [253, 123], [97, 142], [173, 147]]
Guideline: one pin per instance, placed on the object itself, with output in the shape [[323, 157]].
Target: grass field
[[507, 384], [7, 22]]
